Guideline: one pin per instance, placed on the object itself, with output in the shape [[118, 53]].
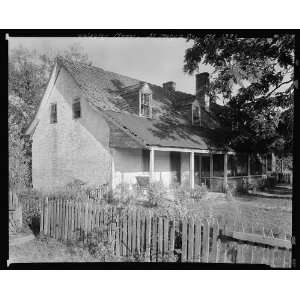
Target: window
[[76, 109], [53, 113], [255, 165], [218, 165], [145, 105], [195, 114], [145, 159], [237, 165]]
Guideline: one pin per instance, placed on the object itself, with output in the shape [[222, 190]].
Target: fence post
[[86, 221], [41, 215], [184, 240], [148, 236], [45, 210]]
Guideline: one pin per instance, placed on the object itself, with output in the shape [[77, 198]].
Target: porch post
[[249, 166], [113, 179], [273, 163], [192, 170], [151, 165], [225, 171], [211, 170]]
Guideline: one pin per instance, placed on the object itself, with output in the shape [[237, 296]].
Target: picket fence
[[14, 211], [285, 177], [139, 232]]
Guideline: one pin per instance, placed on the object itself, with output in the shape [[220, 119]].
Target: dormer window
[[145, 102], [145, 105], [76, 109], [53, 113], [196, 115]]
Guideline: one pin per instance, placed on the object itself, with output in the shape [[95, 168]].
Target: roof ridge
[[119, 74]]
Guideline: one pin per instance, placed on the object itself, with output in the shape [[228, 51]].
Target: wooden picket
[[156, 238]]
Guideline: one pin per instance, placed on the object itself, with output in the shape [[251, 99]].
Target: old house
[[105, 128]]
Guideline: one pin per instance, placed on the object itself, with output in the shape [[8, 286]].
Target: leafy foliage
[[156, 193], [29, 72], [253, 77]]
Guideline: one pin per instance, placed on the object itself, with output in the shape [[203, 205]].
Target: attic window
[[195, 114], [145, 108], [76, 109], [53, 113]]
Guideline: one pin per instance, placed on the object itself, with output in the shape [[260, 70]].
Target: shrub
[[124, 195], [30, 201], [199, 192], [156, 193]]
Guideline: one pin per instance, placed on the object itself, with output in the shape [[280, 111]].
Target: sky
[[155, 60]]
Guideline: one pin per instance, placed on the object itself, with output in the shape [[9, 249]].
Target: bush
[[156, 193], [124, 195], [198, 193], [30, 201]]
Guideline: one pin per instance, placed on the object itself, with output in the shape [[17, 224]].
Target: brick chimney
[[169, 86], [202, 88]]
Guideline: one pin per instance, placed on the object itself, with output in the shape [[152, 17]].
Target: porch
[[192, 167]]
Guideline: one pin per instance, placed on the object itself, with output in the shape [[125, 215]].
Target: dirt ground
[[47, 250]]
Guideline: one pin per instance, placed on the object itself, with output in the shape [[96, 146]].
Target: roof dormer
[[145, 101]]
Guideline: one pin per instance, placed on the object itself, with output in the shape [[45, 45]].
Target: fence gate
[[15, 212]]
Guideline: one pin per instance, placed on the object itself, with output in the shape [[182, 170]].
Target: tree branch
[[278, 86]]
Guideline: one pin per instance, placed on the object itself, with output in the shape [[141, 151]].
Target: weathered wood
[[138, 231], [160, 238], [255, 238], [143, 229], [51, 218], [125, 242], [42, 216], [58, 219], [184, 240], [213, 254], [46, 217], [129, 236], [134, 233], [148, 236], [154, 251], [118, 227], [190, 246], [198, 226], [205, 245], [166, 224], [172, 237]]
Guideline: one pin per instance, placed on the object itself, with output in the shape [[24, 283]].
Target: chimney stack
[[202, 88], [169, 86]]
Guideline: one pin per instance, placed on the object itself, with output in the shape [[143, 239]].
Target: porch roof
[[166, 132]]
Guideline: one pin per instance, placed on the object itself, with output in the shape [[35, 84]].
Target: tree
[[254, 77], [29, 72]]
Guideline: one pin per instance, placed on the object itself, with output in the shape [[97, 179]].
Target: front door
[[175, 159]]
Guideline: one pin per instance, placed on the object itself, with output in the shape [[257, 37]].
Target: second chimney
[[202, 88], [169, 86]]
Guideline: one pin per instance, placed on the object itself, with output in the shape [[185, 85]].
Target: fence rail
[[285, 177], [156, 238]]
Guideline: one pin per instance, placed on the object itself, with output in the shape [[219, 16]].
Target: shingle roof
[[109, 92], [166, 132]]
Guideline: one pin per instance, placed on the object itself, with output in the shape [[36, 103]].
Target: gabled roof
[[112, 93], [107, 88], [167, 132]]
